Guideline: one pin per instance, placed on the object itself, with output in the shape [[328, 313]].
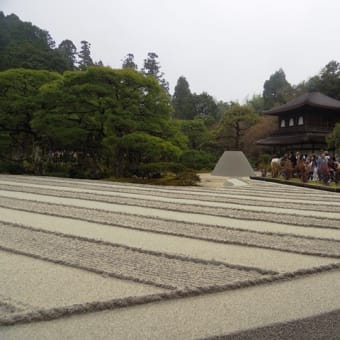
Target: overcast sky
[[227, 48]]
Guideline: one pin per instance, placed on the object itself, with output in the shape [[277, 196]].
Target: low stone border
[[305, 185]]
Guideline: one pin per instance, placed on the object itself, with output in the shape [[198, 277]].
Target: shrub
[[157, 170], [197, 159], [263, 163], [12, 167], [186, 178]]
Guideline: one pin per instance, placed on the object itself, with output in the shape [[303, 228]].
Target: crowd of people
[[314, 167]]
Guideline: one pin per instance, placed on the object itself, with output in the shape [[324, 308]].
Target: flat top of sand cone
[[233, 164]]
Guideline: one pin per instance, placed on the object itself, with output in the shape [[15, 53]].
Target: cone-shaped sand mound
[[234, 164]]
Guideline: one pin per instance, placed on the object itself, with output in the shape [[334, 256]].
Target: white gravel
[[233, 254], [198, 317], [38, 284], [144, 217]]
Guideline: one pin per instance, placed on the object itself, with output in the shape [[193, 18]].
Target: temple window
[[283, 123], [300, 120], [291, 122]]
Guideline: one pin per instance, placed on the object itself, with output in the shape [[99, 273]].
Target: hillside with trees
[[61, 113]]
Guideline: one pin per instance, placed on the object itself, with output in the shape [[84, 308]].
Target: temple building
[[303, 123]]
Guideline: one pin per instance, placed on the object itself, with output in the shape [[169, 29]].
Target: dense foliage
[[92, 123], [25, 45]]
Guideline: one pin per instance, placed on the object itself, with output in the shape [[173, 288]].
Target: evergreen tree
[[129, 62], [333, 139], [84, 55], [69, 51], [99, 63], [152, 68], [329, 82], [276, 90], [23, 45], [204, 105], [182, 100]]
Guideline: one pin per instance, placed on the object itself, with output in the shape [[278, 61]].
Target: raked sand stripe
[[167, 195], [301, 204], [44, 206], [257, 186], [252, 191], [232, 254], [296, 217], [159, 269], [52, 286], [91, 241], [198, 317], [145, 222], [149, 223], [96, 215], [285, 242], [74, 182]]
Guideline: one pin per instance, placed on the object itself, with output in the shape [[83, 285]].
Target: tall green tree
[[129, 62], [333, 139], [90, 113], [276, 90], [326, 81], [84, 55], [234, 124], [222, 107], [19, 102], [25, 45], [69, 51], [256, 102], [99, 63], [153, 68], [197, 133], [182, 100], [204, 105], [329, 80]]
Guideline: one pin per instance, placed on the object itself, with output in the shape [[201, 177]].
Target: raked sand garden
[[232, 258]]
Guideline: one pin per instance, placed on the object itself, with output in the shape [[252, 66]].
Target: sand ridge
[[175, 246], [291, 216], [280, 241]]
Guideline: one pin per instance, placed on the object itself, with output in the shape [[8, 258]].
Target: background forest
[[61, 113]]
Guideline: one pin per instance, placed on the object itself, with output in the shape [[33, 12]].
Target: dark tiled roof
[[315, 99]]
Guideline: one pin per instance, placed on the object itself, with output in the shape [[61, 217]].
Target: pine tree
[[129, 62], [84, 55], [152, 68], [69, 51], [182, 99]]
